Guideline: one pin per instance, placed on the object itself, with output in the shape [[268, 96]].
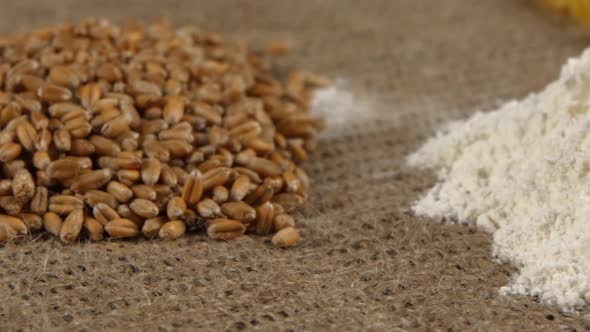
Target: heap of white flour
[[522, 172]]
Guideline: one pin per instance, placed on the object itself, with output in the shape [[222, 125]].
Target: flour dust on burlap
[[340, 107], [522, 173]]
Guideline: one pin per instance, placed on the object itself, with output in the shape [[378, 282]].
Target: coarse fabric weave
[[366, 263]]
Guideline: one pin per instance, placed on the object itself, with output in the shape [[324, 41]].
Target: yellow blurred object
[[580, 9]]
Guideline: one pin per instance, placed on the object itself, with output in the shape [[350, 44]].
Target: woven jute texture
[[366, 262]]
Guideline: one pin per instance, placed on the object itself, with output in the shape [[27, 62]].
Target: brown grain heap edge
[[121, 131]]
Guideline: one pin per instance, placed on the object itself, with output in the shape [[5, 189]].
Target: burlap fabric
[[366, 263]]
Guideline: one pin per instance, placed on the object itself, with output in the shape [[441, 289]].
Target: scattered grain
[[286, 237]]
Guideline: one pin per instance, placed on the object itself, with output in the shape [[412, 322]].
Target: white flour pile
[[522, 172]]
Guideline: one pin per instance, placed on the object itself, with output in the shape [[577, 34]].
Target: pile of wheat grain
[[128, 130]]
